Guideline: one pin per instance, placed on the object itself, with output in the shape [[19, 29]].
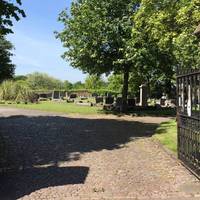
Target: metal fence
[[188, 117]]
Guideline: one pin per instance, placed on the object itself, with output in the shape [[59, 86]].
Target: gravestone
[[163, 100], [94, 95], [73, 96], [56, 95], [62, 94], [43, 95], [143, 96], [109, 100], [119, 101], [131, 102], [99, 100]]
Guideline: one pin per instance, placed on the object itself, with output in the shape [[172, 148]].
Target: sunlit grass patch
[[166, 133], [61, 107]]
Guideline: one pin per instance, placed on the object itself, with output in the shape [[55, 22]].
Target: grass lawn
[[62, 107], [166, 133]]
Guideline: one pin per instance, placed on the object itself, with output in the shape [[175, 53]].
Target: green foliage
[[162, 40], [103, 92], [6, 66], [7, 91], [115, 82], [16, 91], [96, 36], [20, 78], [166, 133], [41, 81], [78, 85], [9, 10], [152, 43], [94, 82], [167, 27], [186, 45], [67, 85]]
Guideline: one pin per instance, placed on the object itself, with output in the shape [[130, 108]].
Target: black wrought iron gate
[[188, 118]]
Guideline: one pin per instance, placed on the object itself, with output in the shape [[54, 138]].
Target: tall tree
[[168, 27], [152, 42], [96, 37], [6, 66], [9, 10]]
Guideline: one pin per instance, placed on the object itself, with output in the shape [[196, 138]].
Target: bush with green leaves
[[16, 91]]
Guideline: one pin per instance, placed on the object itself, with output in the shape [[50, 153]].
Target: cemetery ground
[[71, 108], [60, 107], [57, 156]]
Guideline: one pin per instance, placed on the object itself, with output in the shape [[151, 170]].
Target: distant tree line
[[114, 84], [42, 81]]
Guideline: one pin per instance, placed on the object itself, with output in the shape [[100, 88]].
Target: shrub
[[16, 91], [7, 91]]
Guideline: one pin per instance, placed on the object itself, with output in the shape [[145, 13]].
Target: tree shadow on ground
[[20, 183], [32, 141]]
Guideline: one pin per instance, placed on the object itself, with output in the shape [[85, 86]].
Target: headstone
[[131, 102], [137, 100], [99, 100], [143, 95], [163, 100], [72, 96], [170, 103], [62, 94], [119, 101], [56, 95], [94, 95], [43, 95], [109, 100]]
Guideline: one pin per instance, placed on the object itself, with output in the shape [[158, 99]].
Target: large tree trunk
[[125, 89]]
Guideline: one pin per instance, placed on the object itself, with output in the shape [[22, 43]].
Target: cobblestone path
[[54, 156]]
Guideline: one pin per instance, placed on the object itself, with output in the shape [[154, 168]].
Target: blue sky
[[36, 48]]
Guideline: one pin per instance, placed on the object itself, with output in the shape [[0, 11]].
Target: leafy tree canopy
[[169, 26], [9, 10], [6, 66], [96, 36]]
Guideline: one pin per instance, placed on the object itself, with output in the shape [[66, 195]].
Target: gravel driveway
[[54, 156]]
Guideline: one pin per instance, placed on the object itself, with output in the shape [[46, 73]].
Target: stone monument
[[143, 96]]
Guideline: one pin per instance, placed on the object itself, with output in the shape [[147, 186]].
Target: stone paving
[[53, 156]]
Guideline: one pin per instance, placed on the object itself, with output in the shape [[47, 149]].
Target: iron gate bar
[[188, 118], [186, 75]]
